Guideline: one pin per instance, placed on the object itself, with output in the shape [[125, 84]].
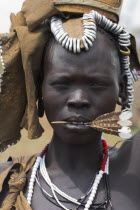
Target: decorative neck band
[[40, 161]]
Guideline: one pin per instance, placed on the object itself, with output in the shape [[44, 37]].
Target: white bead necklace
[[46, 175], [41, 161], [3, 65]]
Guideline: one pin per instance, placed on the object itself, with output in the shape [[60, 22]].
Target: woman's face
[[80, 87]]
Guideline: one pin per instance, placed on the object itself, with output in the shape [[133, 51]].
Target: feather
[[115, 123]]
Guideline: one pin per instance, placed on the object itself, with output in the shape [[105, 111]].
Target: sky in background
[[130, 15]]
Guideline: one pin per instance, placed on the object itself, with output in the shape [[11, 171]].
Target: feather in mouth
[[74, 123], [115, 123]]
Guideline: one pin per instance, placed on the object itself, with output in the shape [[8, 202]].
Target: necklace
[[102, 205], [40, 161]]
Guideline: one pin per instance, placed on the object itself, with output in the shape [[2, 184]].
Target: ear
[[123, 93]]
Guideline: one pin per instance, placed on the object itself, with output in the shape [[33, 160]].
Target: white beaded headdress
[[90, 23]]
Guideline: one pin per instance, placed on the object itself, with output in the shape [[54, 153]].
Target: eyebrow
[[94, 77]]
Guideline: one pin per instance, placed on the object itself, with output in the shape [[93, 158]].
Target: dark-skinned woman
[[76, 63]]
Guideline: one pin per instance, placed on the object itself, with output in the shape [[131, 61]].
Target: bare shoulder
[[133, 143], [129, 153], [5, 165]]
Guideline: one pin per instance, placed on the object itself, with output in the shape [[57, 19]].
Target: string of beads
[[90, 21], [3, 65], [40, 161]]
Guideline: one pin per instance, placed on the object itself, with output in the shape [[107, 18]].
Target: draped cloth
[[22, 54], [15, 198]]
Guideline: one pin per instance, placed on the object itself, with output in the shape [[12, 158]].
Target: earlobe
[[123, 93]]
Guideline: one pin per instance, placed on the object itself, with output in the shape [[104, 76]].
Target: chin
[[77, 137]]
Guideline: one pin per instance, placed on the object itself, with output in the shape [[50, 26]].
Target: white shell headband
[[89, 24]]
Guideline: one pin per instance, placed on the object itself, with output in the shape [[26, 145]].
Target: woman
[[77, 88]]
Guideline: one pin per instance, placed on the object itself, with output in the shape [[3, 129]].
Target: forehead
[[102, 59]]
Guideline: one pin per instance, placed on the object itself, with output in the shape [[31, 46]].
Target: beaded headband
[[90, 22]]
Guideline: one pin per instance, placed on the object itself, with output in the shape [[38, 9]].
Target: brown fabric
[[38, 10], [22, 54], [109, 8], [15, 198]]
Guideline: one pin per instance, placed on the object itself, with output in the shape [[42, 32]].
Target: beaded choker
[[40, 161]]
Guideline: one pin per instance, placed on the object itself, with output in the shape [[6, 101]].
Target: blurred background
[[130, 17]]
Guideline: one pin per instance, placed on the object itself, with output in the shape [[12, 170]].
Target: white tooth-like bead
[[33, 176], [30, 187], [95, 187], [62, 37], [93, 191], [124, 130], [125, 115], [97, 181], [74, 45], [87, 205], [85, 43], [89, 202], [90, 199], [88, 41], [29, 202], [101, 172], [36, 167], [70, 44], [91, 37], [30, 195], [125, 135], [124, 122], [30, 191], [29, 199], [33, 171], [98, 178], [78, 46], [64, 41]]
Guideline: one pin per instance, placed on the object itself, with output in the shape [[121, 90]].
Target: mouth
[[77, 124], [78, 127], [80, 123]]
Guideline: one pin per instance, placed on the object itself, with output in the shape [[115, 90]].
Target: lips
[[77, 124], [77, 120]]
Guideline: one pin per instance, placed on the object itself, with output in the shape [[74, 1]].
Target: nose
[[78, 99]]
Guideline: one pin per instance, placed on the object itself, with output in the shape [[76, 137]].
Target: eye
[[60, 84], [98, 85]]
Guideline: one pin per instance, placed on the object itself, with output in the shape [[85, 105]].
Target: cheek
[[101, 100], [53, 102], [105, 101]]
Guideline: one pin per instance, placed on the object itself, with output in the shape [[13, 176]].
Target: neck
[[75, 157]]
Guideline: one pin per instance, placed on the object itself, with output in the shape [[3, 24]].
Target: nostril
[[78, 104], [78, 99]]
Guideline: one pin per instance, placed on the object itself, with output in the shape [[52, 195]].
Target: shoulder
[[129, 153], [132, 144]]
